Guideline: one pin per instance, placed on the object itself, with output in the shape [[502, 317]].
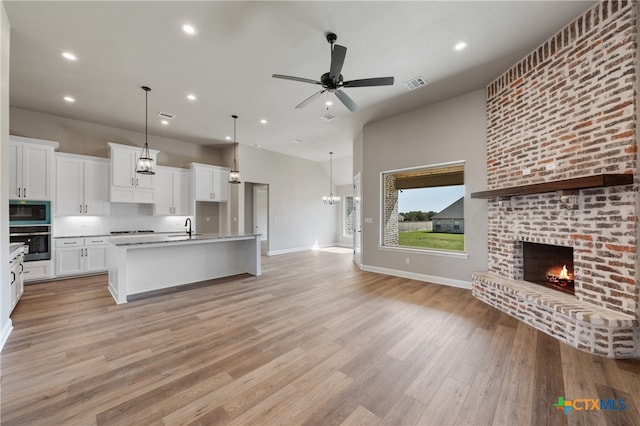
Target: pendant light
[[331, 199], [234, 174], [145, 164]]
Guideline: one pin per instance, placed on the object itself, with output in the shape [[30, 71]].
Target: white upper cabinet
[[31, 168], [127, 186], [82, 185], [210, 183], [173, 191]]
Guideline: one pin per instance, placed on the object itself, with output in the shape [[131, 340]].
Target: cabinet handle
[[81, 252], [80, 208], [21, 268], [85, 208], [24, 192], [18, 192], [70, 243], [131, 181], [136, 181], [85, 252], [13, 280]]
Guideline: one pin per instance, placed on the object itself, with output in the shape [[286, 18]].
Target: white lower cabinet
[[38, 270], [76, 256], [17, 277]]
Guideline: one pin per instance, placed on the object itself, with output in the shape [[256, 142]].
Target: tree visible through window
[[424, 208]]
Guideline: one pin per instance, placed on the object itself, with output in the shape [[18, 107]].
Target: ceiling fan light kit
[[333, 81]]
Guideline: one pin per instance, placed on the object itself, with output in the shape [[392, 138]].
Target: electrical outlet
[[526, 172]]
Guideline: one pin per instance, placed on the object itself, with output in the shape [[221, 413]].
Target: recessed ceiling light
[[460, 46], [257, 145], [165, 122], [328, 103], [228, 138], [296, 141], [263, 121], [70, 56], [191, 97], [69, 99], [189, 29]]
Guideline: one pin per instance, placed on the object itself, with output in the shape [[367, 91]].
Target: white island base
[[143, 264]]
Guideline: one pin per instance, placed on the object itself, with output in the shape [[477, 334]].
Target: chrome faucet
[[189, 222]]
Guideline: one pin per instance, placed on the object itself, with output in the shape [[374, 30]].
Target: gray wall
[[298, 219], [5, 287], [451, 130], [81, 137]]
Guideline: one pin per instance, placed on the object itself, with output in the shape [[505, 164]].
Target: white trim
[[299, 249], [443, 253], [8, 327], [419, 277]]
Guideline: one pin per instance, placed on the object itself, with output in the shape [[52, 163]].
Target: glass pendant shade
[[234, 174], [331, 199], [145, 164]]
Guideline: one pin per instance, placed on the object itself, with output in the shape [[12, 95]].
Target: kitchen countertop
[[174, 238], [15, 246]]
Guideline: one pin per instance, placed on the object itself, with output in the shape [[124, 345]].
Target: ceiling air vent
[[166, 115], [415, 83], [328, 117]]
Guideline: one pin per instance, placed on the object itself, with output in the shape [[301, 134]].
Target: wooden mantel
[[596, 181]]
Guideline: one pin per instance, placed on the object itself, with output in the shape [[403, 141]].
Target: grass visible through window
[[433, 240]]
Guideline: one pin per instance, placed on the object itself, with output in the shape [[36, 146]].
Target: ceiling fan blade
[[300, 79], [365, 82], [337, 60], [346, 100], [309, 99]]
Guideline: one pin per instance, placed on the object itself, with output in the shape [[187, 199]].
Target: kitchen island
[[141, 264]]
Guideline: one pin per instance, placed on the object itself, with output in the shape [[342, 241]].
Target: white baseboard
[[299, 249], [419, 277], [6, 331]]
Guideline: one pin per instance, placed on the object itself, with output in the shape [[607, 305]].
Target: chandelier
[[144, 164], [331, 199], [234, 174]]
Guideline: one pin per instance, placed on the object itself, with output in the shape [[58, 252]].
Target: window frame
[[381, 204]]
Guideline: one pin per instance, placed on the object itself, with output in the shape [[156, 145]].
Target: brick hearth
[[567, 110]]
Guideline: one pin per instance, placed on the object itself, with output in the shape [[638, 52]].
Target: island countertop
[[175, 238], [142, 264]]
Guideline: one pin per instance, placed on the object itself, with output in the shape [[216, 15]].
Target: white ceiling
[[228, 64]]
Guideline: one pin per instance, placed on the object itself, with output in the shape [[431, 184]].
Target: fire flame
[[564, 273]]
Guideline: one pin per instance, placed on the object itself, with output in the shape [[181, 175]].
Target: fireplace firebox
[[549, 265]]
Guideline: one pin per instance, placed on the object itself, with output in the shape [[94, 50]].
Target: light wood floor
[[312, 341]]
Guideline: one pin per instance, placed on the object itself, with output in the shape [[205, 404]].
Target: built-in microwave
[[27, 212]]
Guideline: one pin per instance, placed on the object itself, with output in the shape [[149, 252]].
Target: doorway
[[257, 212]]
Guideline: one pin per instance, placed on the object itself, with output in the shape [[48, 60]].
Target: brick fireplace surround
[[567, 110]]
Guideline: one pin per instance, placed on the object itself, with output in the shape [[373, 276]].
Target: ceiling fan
[[332, 81]]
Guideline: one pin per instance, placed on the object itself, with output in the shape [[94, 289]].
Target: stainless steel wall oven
[[37, 240]]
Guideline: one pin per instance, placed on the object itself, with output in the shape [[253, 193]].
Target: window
[[348, 216], [424, 208]]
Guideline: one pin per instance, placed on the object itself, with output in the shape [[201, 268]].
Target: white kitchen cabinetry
[[127, 186], [37, 270], [75, 256], [30, 168], [173, 191], [82, 185], [16, 265], [210, 183]]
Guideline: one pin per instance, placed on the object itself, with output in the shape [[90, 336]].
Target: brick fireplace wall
[[569, 109]]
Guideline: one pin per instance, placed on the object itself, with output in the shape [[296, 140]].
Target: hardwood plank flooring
[[312, 341]]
